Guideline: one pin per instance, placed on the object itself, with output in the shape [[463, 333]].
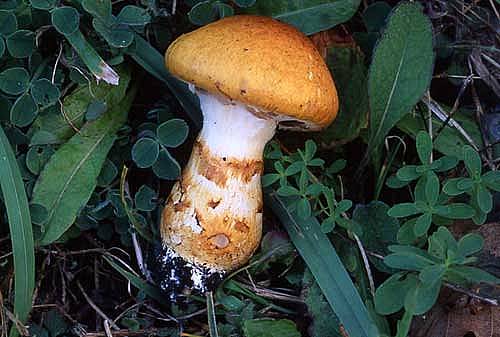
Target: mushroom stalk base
[[213, 216]]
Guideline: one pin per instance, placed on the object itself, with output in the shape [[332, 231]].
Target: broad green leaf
[[133, 16], [202, 13], [173, 132], [432, 274], [456, 211], [324, 263], [21, 44], [444, 236], [43, 4], [472, 161], [401, 69], [308, 16], [484, 199], [62, 125], [408, 173], [14, 81], [166, 167], [347, 65], [407, 261], [39, 214], [8, 22], [304, 208], [423, 224], [432, 188], [288, 191], [145, 152], [451, 187], [145, 199], [444, 163], [108, 174], [492, 180], [43, 138], [421, 297], [403, 210], [118, 36], [266, 327], [474, 275], [37, 157], [24, 110], [470, 243], [95, 110], [390, 295], [69, 178], [424, 147], [65, 20], [437, 248], [44, 92], [16, 206]]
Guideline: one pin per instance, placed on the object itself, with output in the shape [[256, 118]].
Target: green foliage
[[477, 185], [152, 149], [400, 71], [347, 65], [311, 16], [16, 204], [69, 178], [270, 328], [324, 321], [69, 138], [324, 263], [304, 192], [450, 141]]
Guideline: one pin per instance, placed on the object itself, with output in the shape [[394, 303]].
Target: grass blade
[[324, 263], [152, 61], [100, 69], [212, 321], [21, 233], [138, 282]]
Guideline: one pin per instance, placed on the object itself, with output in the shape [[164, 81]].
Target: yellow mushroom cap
[[261, 62]]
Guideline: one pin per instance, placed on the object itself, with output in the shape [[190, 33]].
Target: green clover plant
[[478, 185]]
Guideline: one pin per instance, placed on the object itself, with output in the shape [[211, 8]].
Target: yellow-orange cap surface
[[261, 62]]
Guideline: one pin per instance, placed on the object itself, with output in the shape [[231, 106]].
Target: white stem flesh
[[213, 216]]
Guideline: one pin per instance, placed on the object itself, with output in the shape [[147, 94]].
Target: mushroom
[[251, 74]]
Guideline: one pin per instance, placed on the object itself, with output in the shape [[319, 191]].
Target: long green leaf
[[401, 69], [308, 16], [152, 61], [69, 178], [16, 204], [62, 124], [324, 263], [100, 69]]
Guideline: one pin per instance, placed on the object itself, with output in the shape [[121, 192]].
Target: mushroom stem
[[213, 216]]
